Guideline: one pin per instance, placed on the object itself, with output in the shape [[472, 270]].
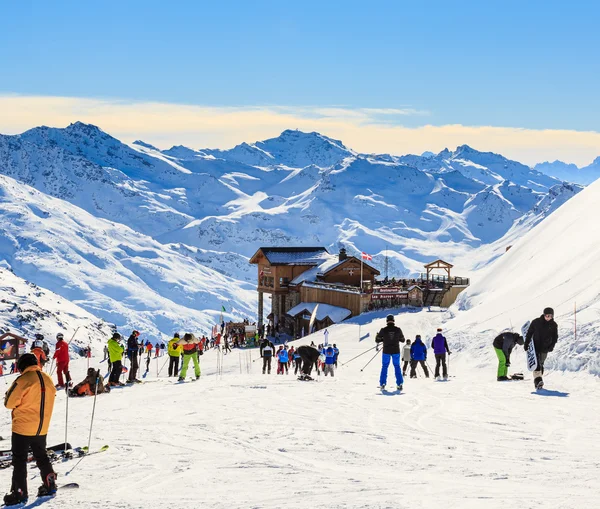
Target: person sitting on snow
[[88, 386]]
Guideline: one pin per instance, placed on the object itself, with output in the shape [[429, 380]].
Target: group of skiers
[[288, 357]]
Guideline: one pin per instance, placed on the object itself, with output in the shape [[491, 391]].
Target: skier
[[149, 355], [282, 358], [329, 361], [418, 354], [309, 356], [391, 337], [440, 347], [543, 331], [174, 350], [336, 351], [37, 349], [226, 347], [267, 349], [156, 350], [190, 353], [31, 399], [132, 354], [61, 355], [405, 357], [105, 352], [115, 352]]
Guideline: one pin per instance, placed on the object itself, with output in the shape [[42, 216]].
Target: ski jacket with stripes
[[31, 399], [267, 349]]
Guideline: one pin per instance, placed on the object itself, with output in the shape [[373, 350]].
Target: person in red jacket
[[61, 355]]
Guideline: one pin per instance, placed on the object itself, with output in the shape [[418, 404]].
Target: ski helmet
[[176, 335], [390, 318], [549, 311], [60, 336], [116, 336], [38, 343], [39, 336]]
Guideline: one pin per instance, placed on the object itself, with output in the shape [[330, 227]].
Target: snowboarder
[[391, 337], [132, 354], [190, 353], [31, 399], [405, 357], [543, 331], [329, 361], [503, 345], [174, 350], [418, 354], [115, 352], [309, 356], [440, 347], [267, 349], [61, 355]]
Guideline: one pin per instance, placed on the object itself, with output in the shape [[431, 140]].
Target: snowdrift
[[556, 264]]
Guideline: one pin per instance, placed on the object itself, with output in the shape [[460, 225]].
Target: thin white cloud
[[370, 130]]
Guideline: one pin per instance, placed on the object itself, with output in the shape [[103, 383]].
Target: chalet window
[[284, 281]]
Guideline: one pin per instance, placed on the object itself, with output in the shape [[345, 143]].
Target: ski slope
[[247, 440]]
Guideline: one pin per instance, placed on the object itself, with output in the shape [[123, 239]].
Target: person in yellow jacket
[[31, 399], [190, 353], [175, 350], [115, 353]]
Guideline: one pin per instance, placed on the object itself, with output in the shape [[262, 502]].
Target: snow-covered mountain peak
[[143, 144]]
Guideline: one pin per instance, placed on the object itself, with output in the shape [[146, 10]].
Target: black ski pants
[[404, 366], [20, 451], [267, 364], [298, 365], [133, 369], [174, 365], [115, 372], [413, 368], [440, 358]]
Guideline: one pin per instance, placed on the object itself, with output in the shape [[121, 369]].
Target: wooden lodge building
[[299, 278]]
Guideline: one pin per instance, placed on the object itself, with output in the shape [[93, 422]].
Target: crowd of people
[[288, 357]]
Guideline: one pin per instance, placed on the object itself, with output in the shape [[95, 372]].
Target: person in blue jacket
[[329, 361], [418, 354], [283, 358]]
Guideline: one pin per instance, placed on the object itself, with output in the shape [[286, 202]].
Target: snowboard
[[530, 352]]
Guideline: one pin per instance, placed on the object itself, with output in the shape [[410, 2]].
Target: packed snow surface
[[247, 440]]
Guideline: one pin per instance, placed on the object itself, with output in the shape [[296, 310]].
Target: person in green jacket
[[115, 354], [175, 350], [189, 343]]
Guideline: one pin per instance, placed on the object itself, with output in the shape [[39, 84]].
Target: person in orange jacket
[[31, 399], [37, 349]]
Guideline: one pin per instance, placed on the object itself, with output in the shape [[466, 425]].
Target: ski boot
[[539, 385], [198, 377], [382, 387], [503, 378], [49, 487], [181, 379], [15, 497], [399, 387], [137, 381]]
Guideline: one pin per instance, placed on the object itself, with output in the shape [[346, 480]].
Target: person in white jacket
[[405, 357]]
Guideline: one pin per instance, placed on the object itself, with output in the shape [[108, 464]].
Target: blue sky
[[520, 64]]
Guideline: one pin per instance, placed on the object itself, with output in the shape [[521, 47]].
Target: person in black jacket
[[391, 337], [503, 345], [543, 331], [310, 357], [132, 354], [267, 350]]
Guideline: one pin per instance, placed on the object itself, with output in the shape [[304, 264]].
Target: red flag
[[366, 256]]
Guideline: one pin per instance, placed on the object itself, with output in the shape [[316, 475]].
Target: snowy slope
[[27, 309], [244, 439], [556, 264], [110, 270]]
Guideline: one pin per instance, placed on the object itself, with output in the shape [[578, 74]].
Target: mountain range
[[160, 239]]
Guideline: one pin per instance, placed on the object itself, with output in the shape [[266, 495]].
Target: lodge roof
[[439, 262], [292, 255]]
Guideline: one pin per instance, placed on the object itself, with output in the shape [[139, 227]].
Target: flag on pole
[[366, 256], [223, 309]]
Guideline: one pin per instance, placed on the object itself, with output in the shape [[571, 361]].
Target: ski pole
[[164, 364], [359, 355], [372, 358], [66, 414]]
